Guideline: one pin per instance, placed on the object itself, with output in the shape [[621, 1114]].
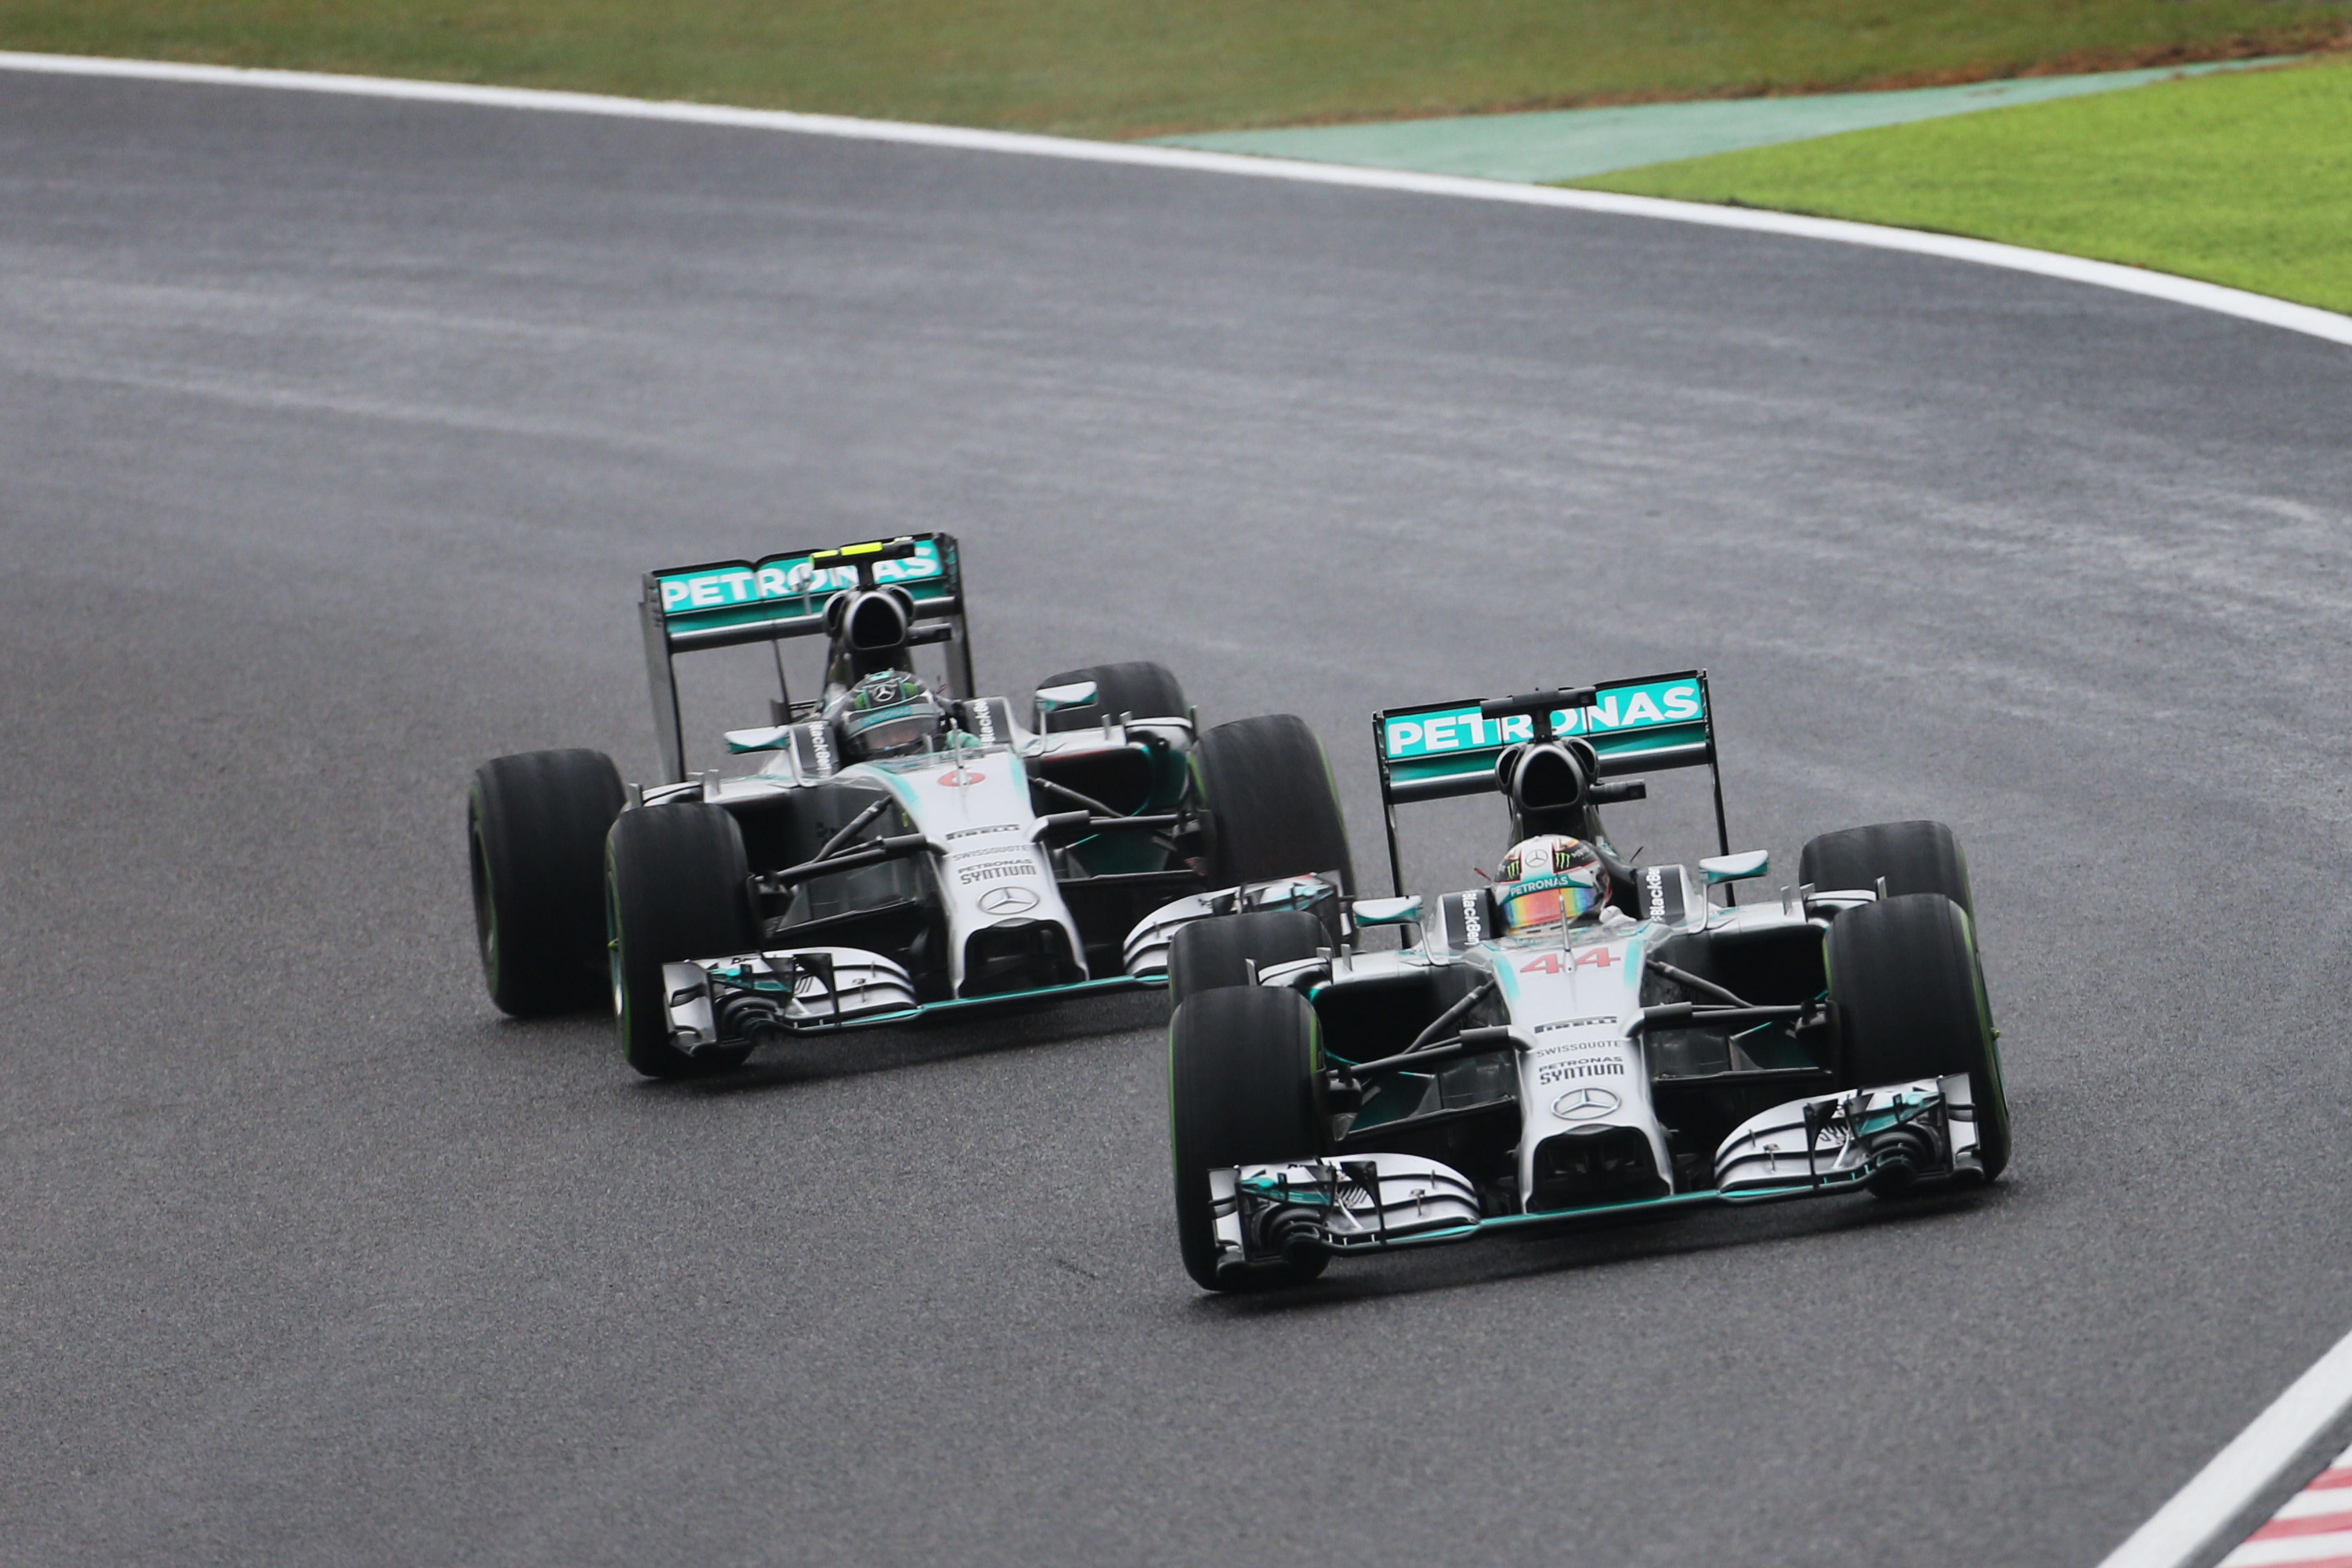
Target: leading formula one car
[[1583, 1037], [883, 849]]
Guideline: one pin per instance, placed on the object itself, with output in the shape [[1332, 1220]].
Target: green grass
[[1127, 68], [2243, 179]]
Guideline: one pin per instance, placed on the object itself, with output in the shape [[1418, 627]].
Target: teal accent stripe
[[964, 1003]]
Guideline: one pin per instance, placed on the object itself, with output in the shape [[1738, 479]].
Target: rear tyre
[[1212, 955], [1140, 688], [1241, 1090], [1913, 857], [676, 886], [1269, 788], [535, 828], [1911, 1004]]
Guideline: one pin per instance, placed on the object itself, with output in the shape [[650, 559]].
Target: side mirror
[[758, 740], [1077, 694], [1735, 868], [1387, 911]]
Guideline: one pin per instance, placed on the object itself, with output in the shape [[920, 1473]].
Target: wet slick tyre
[[1913, 857], [535, 827], [1269, 788], [1911, 1004], [1241, 1090], [1141, 688], [1211, 955], [676, 887]]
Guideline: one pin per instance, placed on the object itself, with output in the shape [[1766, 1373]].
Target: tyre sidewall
[[535, 828], [1272, 801], [1911, 1004], [1211, 955], [1242, 1074], [1912, 856], [676, 888], [1139, 687]]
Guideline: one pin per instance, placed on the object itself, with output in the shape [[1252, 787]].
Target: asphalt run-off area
[[338, 432], [1572, 143]]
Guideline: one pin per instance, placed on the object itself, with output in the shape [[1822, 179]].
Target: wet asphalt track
[[332, 436]]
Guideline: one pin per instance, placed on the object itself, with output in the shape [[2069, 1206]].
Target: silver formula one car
[[888, 848], [1583, 1037]]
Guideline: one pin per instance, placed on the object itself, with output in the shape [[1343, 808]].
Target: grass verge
[[1119, 68], [2242, 179]]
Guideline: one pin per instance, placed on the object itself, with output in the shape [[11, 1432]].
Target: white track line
[[2185, 1527], [2311, 1529], [2187, 292]]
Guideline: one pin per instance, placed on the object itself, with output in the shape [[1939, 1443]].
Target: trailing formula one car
[[883, 849], [1583, 1037]]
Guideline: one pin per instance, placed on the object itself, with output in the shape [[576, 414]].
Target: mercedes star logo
[[1007, 901], [1583, 1104]]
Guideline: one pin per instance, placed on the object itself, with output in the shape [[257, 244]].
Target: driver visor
[[1538, 901], [888, 730]]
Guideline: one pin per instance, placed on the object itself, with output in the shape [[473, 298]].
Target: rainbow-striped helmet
[[1547, 882]]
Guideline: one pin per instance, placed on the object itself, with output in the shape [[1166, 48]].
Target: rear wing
[[728, 604], [1439, 750]]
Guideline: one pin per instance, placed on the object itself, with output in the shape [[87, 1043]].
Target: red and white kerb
[[2313, 1530]]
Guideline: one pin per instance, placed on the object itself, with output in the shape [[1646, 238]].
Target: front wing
[[748, 998], [1924, 1132]]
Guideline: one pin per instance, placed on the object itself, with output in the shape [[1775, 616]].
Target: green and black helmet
[[888, 713]]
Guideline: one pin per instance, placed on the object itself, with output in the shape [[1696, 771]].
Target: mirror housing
[[1386, 911], [767, 739], [1719, 869], [1077, 694]]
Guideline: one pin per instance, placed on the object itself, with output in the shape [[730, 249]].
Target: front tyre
[[1211, 955], [1913, 857], [676, 886], [1138, 689], [1241, 1091], [1269, 788], [535, 827], [1910, 999]]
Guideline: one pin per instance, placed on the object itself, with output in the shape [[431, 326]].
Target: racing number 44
[[1559, 962]]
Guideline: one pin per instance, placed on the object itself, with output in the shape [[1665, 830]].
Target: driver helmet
[[1548, 881], [888, 714]]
